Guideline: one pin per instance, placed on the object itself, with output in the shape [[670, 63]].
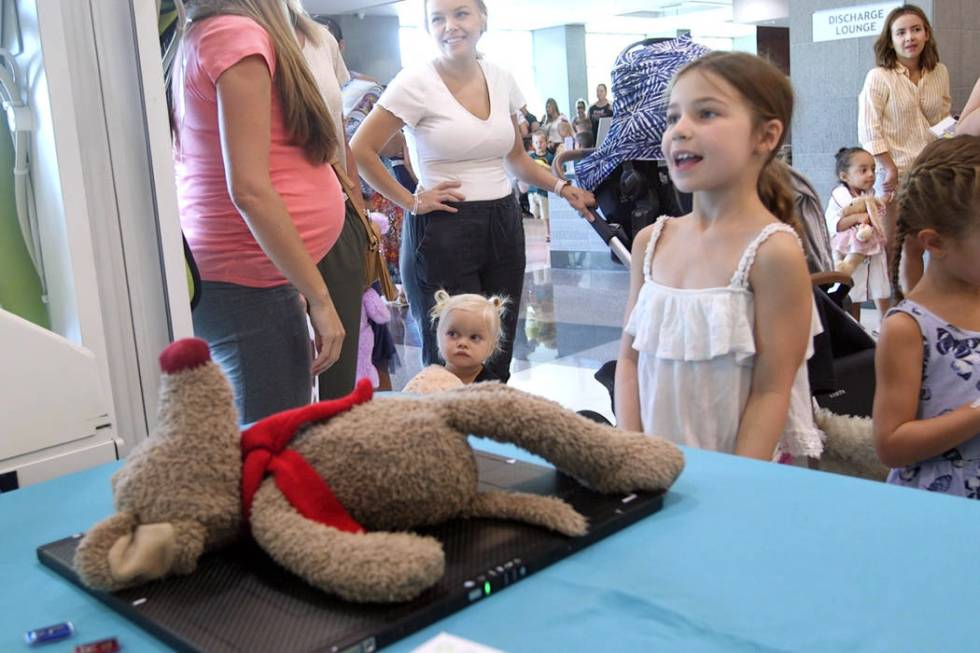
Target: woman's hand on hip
[[434, 199], [328, 335], [580, 200]]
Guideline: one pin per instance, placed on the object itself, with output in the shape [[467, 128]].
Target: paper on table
[[446, 643], [944, 128]]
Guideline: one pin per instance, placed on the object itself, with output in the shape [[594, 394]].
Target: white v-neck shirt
[[448, 142]]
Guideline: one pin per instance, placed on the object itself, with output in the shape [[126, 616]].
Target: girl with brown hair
[[902, 97], [927, 365], [720, 314], [259, 202]]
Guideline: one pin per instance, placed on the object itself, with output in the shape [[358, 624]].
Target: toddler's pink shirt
[[221, 241]]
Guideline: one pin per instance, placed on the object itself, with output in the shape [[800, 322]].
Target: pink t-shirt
[[221, 241]]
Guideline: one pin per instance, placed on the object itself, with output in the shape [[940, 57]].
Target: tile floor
[[569, 325]]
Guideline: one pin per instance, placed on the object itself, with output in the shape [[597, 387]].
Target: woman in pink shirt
[[259, 203]]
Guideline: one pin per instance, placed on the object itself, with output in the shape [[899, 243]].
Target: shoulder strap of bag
[[375, 266], [354, 196]]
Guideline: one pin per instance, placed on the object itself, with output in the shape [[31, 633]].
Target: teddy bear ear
[[184, 354]]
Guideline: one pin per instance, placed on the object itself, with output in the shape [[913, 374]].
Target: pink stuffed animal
[[373, 308]]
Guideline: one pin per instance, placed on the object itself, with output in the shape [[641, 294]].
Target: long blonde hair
[[305, 114], [941, 191], [769, 96]]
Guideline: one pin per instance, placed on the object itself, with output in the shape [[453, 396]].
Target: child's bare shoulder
[[781, 250], [900, 340], [642, 238], [899, 327]]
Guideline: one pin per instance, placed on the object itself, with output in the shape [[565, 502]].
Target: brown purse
[[375, 266]]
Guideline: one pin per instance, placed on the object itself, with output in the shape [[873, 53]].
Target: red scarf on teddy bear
[[264, 451]]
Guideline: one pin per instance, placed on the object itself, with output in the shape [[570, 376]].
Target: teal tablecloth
[[744, 556]]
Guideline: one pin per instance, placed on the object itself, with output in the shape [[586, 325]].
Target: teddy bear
[[850, 446], [332, 491], [868, 205]]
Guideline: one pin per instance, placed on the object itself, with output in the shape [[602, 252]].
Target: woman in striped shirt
[[902, 97]]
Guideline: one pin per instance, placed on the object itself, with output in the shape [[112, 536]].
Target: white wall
[[106, 201]]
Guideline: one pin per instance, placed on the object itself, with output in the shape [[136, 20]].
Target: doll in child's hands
[[867, 237]]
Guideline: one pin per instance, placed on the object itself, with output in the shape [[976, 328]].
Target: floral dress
[[950, 379]]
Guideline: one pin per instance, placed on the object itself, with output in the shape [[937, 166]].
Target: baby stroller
[[629, 179], [626, 172]]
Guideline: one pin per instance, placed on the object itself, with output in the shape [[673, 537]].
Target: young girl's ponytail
[[897, 245], [776, 193]]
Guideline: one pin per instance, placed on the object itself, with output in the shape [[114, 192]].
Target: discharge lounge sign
[[850, 22]]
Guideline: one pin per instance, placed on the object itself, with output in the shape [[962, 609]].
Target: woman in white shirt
[[465, 232], [903, 96], [555, 125]]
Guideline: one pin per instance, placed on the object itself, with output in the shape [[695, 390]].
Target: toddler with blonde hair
[[468, 332]]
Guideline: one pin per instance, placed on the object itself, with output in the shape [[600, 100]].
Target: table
[[744, 556]]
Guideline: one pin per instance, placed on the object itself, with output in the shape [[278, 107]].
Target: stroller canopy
[[640, 78]]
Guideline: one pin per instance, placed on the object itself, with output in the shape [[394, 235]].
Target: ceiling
[[634, 16]]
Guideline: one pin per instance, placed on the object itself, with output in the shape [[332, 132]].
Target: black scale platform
[[240, 600]]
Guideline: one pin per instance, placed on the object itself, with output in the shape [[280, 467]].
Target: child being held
[[854, 218], [468, 333], [927, 365]]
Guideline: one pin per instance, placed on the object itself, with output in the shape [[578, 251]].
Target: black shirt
[[596, 112]]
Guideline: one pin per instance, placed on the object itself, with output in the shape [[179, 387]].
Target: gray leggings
[[260, 338]]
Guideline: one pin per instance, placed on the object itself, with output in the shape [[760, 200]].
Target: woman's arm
[[244, 117], [871, 108], [407, 158], [627, 388], [783, 305], [900, 438], [520, 165], [969, 124], [351, 168], [367, 143]]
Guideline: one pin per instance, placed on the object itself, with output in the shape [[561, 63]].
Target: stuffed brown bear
[[331, 491]]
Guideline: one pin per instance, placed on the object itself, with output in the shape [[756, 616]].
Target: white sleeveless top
[[696, 354]]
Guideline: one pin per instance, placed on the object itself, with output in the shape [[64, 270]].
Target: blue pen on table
[[47, 634]]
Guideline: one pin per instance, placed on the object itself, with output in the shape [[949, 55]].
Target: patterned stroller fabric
[[639, 78]]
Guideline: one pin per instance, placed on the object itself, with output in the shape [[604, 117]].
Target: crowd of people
[[269, 125]]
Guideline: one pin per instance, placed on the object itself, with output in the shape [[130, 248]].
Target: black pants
[[480, 250], [342, 270]]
